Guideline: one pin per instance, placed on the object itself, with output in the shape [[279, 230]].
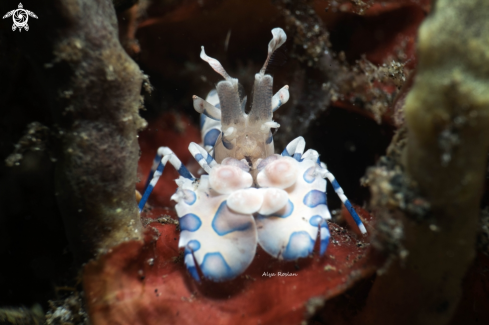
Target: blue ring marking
[[209, 159], [212, 93], [218, 105], [215, 267], [300, 245], [316, 220], [315, 198], [324, 241], [211, 136], [270, 138], [192, 246], [285, 153], [190, 222], [146, 194], [222, 212], [227, 144], [202, 120], [149, 188], [159, 168], [318, 161], [298, 157], [288, 212], [335, 184], [353, 213], [184, 172], [192, 269], [198, 157], [309, 175], [156, 160], [189, 197], [148, 180]]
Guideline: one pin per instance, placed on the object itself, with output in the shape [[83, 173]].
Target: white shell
[[288, 233], [274, 199], [246, 201]]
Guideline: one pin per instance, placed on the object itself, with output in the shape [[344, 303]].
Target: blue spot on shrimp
[[247, 191]]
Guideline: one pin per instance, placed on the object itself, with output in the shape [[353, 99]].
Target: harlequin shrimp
[[249, 195]]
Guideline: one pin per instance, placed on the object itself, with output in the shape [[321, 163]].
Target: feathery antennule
[[279, 38], [216, 65], [277, 60]]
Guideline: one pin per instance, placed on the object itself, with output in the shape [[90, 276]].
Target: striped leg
[[168, 156], [210, 128], [295, 148], [181, 169], [162, 151], [204, 159], [210, 134], [337, 188], [156, 163], [156, 176]]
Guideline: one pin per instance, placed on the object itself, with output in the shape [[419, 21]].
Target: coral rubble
[[447, 116]]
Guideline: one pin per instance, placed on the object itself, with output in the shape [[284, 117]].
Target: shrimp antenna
[[216, 65], [278, 40]]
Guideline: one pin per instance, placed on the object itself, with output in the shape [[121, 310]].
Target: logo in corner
[[20, 17]]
